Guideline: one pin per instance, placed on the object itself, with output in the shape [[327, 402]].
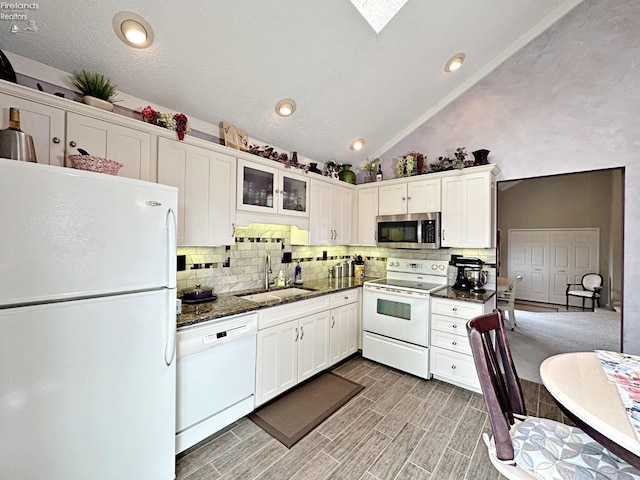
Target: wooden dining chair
[[530, 447], [506, 300]]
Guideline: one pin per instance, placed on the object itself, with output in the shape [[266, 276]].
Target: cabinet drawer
[[272, 316], [345, 297], [454, 326], [454, 308], [455, 368], [450, 341]]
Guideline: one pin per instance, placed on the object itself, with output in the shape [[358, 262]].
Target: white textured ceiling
[[233, 60]]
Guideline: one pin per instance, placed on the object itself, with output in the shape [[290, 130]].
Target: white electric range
[[395, 314]]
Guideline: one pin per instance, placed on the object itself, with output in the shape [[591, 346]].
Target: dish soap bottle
[[280, 279], [297, 277]]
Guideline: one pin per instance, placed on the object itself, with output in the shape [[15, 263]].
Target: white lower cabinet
[[290, 353], [344, 324], [299, 340], [451, 358]]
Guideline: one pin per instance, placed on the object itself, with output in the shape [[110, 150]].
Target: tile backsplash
[[241, 266]]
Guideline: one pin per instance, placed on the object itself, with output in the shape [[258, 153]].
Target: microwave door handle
[[419, 231]]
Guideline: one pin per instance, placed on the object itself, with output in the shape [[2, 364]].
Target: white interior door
[[549, 259], [528, 256]]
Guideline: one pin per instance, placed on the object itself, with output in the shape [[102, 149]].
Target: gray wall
[[569, 101]]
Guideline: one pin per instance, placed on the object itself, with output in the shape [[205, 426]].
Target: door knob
[[72, 144], [55, 140]]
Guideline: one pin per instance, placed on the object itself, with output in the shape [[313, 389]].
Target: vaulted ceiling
[[233, 61]]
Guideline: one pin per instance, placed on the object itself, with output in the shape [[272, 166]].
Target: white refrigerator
[[87, 325]]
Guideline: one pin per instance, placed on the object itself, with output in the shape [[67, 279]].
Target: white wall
[[569, 101]]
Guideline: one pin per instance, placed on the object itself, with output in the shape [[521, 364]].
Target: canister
[[358, 271], [337, 271], [349, 266]]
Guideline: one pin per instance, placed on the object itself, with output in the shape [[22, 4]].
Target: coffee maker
[[470, 277]]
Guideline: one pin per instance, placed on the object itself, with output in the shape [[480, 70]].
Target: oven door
[[399, 314]]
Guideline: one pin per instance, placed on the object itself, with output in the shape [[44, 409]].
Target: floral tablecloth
[[623, 370]]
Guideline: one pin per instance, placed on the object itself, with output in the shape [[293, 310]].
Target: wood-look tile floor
[[399, 427]]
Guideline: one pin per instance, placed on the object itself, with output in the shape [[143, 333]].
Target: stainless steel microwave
[[414, 230]]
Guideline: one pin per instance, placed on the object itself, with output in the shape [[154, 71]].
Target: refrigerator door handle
[[170, 222], [170, 312]]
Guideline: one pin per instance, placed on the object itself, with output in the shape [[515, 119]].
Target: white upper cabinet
[[330, 216], [412, 197], [468, 210], [367, 213], [115, 142], [44, 123], [206, 183], [264, 189]]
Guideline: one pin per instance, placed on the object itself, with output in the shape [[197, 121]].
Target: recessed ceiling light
[[357, 144], [132, 29], [285, 107], [454, 63]]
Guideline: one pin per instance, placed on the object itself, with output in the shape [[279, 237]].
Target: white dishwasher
[[216, 365]]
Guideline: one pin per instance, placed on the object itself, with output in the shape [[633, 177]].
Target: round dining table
[[583, 392]]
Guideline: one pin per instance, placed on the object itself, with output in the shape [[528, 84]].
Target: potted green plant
[[96, 89]]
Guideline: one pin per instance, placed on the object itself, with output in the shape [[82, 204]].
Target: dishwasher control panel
[[216, 336], [211, 334]]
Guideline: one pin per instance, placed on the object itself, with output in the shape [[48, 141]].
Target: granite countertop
[[452, 294], [231, 304]]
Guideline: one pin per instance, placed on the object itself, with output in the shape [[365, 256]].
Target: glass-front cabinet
[[269, 190]]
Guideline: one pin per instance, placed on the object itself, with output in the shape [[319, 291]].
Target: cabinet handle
[[454, 326], [346, 297], [455, 309], [333, 322], [454, 343], [55, 140], [277, 191], [453, 367], [403, 199], [301, 332], [408, 198], [72, 143], [297, 333], [444, 236]]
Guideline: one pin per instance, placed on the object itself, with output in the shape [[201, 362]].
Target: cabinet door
[[367, 212], [313, 345], [467, 211], [258, 188], [423, 196], [294, 195], [276, 360], [344, 330], [206, 185], [45, 124], [320, 219], [222, 196], [126, 145], [341, 215], [392, 199]]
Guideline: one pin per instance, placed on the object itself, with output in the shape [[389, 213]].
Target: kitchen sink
[[275, 295]]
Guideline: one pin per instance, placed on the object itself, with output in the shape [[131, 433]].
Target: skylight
[[378, 12]]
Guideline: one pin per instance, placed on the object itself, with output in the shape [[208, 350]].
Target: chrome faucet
[[267, 272]]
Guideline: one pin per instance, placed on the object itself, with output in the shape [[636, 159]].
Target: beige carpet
[[289, 418], [539, 335]]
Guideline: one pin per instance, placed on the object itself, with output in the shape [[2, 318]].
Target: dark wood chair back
[[498, 377]]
